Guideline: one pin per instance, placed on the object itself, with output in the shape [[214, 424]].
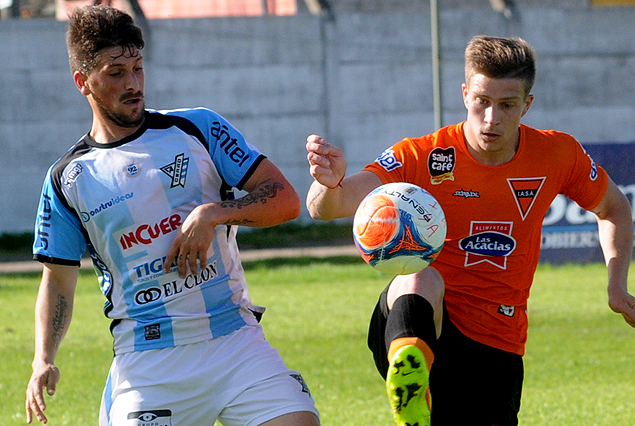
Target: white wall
[[364, 81]]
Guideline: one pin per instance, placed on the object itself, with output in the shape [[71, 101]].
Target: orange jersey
[[494, 216]]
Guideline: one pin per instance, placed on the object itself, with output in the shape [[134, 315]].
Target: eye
[[480, 100]]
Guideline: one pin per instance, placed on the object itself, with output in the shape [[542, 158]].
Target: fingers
[[172, 255], [35, 403], [186, 254], [626, 306], [317, 146]]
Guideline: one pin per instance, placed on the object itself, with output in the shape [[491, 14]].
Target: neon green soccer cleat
[[407, 386]]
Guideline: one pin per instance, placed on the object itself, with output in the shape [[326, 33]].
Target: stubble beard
[[121, 119]]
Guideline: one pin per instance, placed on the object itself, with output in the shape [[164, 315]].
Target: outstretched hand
[[327, 163]]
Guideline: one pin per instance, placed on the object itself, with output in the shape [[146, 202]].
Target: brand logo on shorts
[[150, 418], [300, 379]]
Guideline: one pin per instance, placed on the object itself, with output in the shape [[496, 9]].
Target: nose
[[491, 115], [134, 82]]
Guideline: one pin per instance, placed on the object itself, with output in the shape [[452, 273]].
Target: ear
[[81, 81], [528, 101], [465, 91]]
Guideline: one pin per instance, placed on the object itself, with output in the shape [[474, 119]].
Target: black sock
[[411, 316]]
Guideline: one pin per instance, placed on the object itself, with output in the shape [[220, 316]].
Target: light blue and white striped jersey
[[123, 201]]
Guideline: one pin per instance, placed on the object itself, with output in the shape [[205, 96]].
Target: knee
[[430, 282], [427, 283]]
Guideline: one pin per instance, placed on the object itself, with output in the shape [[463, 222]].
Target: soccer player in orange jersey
[[450, 339]]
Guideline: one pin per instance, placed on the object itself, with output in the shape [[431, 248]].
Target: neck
[[490, 154], [105, 131]]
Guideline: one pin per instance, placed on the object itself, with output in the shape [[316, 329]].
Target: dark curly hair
[[94, 28]]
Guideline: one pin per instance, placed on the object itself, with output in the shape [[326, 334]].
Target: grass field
[[579, 367]]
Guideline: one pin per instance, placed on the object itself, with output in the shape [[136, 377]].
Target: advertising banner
[[570, 234]]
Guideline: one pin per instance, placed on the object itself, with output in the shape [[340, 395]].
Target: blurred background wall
[[357, 72]]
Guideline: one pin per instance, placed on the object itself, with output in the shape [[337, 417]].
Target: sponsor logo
[[508, 311], [73, 173], [151, 270], [132, 169], [177, 170], [388, 160], [525, 191], [172, 288], [489, 242], [441, 163], [45, 222], [229, 144], [105, 277], [466, 194], [594, 170], [144, 234], [103, 206], [153, 332], [150, 418]]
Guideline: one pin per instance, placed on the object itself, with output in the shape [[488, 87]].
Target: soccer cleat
[[407, 386]]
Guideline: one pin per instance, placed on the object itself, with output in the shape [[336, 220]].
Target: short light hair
[[92, 29], [499, 57]]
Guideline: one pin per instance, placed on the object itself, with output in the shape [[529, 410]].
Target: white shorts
[[238, 379]]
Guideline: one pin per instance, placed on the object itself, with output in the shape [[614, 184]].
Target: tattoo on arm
[[59, 319], [259, 195], [318, 194]]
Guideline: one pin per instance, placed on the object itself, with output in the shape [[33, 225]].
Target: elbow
[[292, 210], [321, 215]]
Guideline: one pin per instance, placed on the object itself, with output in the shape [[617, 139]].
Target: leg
[[485, 382], [412, 308], [300, 418], [424, 287], [427, 284]]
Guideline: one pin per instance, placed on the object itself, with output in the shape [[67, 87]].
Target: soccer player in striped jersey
[[149, 194]]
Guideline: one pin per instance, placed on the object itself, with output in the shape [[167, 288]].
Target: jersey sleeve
[[59, 236], [587, 182], [395, 164], [234, 157]]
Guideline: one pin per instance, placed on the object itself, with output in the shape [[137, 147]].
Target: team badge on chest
[[177, 170], [525, 191]]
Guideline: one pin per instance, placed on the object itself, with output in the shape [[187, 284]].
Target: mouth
[[132, 100], [489, 136]]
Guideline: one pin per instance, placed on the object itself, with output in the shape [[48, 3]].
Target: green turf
[[579, 366]]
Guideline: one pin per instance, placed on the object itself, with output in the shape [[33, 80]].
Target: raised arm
[[332, 195], [270, 200], [53, 311], [615, 225]]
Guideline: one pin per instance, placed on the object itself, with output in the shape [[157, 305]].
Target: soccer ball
[[399, 228]]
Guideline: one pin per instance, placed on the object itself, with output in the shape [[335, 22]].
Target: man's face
[[115, 87], [494, 109]]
